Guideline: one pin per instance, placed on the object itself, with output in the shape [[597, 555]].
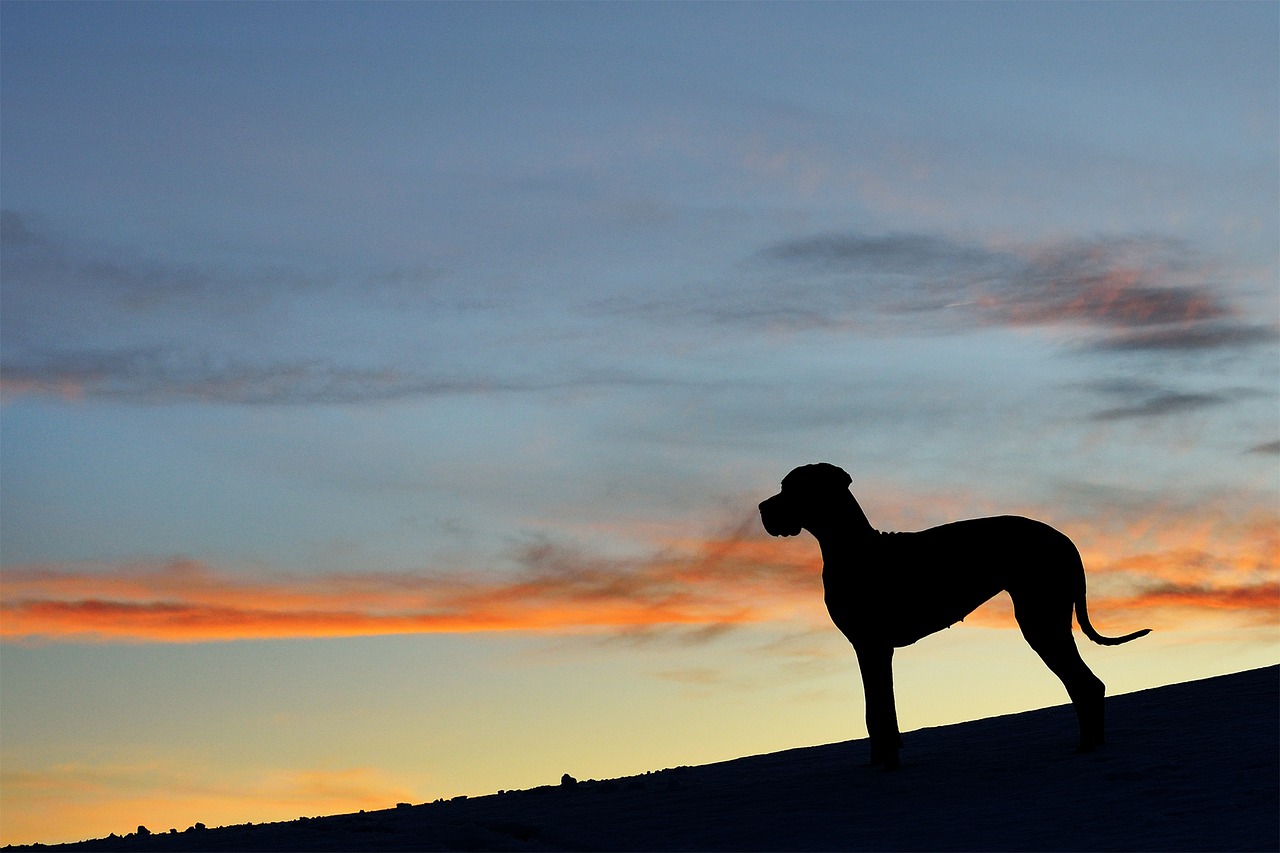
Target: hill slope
[[1192, 766]]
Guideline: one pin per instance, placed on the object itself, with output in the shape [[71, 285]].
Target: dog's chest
[[884, 594], [856, 601]]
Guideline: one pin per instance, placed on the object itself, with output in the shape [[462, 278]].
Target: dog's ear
[[838, 475]]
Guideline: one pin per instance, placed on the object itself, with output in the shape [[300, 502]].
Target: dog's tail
[[1082, 616]]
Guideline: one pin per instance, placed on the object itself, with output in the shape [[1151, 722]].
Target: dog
[[887, 590]]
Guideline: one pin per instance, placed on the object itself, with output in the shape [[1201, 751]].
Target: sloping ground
[[1192, 766]]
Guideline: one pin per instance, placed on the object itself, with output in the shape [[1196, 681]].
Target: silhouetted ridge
[[1192, 766]]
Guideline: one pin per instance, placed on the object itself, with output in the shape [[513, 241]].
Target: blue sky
[[375, 366]]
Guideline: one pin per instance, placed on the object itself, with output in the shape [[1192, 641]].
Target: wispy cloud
[[48, 270], [1138, 399], [1160, 404], [902, 253], [164, 375], [56, 287], [1118, 283], [92, 322], [89, 323], [1203, 336]]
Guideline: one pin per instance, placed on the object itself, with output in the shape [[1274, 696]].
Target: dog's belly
[[926, 614], [901, 617], [905, 586]]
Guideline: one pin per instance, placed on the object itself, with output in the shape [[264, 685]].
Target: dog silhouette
[[887, 590]]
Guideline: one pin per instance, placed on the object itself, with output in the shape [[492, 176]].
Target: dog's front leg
[[876, 663]]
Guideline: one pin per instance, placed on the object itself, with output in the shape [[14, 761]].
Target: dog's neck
[[842, 532]]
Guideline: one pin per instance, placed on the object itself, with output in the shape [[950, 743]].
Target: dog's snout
[[777, 517]]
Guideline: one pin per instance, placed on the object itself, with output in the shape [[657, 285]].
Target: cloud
[[163, 375], [91, 322], [1160, 405], [1270, 448], [902, 253], [693, 587], [87, 322], [1173, 568], [1262, 598], [1109, 282], [1207, 336], [47, 275], [557, 589], [1131, 293], [1140, 399], [1169, 604], [55, 287]]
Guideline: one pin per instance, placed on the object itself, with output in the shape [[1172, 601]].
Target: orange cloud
[[1176, 567], [1171, 569], [187, 601], [1115, 298], [1171, 605], [1261, 598]]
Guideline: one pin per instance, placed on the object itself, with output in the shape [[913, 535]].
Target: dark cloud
[[666, 635], [54, 287], [1161, 405], [1269, 448], [98, 323], [1192, 337], [1140, 399], [1136, 293], [1117, 283], [891, 254]]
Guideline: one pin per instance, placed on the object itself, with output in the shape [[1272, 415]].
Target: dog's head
[[806, 492]]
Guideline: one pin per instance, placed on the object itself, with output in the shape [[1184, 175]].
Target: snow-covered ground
[[1192, 766]]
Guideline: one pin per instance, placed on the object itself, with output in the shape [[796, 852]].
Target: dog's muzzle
[[777, 517]]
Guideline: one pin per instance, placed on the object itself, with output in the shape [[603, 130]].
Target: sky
[[386, 390]]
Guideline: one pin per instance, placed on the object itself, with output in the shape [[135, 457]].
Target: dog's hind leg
[[1047, 629], [876, 664]]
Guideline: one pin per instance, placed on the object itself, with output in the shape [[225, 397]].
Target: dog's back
[[905, 586]]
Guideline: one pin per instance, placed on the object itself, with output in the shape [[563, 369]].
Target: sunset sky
[[387, 389]]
